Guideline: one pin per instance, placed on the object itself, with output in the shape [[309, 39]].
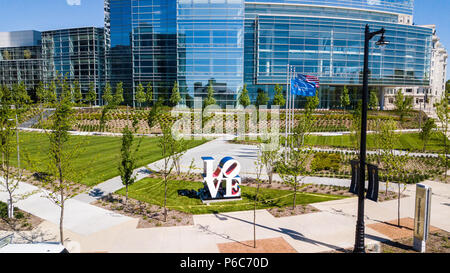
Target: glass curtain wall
[[154, 45], [78, 54], [210, 48]]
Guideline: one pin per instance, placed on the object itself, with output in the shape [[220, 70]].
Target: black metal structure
[[359, 236]]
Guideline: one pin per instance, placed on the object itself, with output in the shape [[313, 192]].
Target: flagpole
[[292, 109], [286, 106]]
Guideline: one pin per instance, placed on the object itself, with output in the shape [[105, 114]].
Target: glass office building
[[78, 54], [232, 43], [21, 58], [21, 64]]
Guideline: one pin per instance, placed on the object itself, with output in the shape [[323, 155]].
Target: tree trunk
[[295, 194], [254, 216], [126, 194], [398, 206], [61, 218], [270, 177], [165, 198]]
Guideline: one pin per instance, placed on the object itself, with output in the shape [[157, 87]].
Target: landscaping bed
[[22, 221], [149, 215], [151, 191]]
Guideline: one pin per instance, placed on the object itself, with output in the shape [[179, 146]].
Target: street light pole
[[359, 234]]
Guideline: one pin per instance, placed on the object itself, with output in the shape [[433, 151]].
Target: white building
[[438, 76]]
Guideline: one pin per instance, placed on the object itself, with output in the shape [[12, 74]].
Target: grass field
[[407, 141], [151, 190], [99, 156]]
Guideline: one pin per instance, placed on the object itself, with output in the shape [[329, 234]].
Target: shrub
[[326, 161], [3, 210]]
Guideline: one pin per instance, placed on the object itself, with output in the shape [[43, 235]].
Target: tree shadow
[[291, 233]]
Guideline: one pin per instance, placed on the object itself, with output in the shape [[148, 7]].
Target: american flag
[[312, 79]]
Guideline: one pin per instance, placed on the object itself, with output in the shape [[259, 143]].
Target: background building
[[21, 58], [425, 97], [78, 54], [234, 42]]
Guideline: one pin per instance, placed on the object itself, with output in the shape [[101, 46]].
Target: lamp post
[[359, 235]]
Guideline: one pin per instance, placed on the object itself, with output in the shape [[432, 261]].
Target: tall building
[[232, 43], [78, 54], [21, 58], [425, 97]]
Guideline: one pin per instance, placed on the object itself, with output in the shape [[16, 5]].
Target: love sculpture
[[226, 173]]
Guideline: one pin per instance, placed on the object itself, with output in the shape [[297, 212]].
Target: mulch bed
[[438, 242], [23, 221], [393, 231], [288, 211], [272, 245], [149, 215]]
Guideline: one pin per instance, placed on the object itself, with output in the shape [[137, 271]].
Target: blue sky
[[55, 14]]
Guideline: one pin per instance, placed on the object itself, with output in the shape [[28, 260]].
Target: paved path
[[331, 228], [79, 217]]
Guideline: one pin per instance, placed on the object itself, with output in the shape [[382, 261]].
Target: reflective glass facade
[[229, 43], [211, 47], [76, 53], [21, 64], [154, 49]]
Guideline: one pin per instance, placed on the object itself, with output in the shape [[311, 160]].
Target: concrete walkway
[[79, 217], [331, 228]]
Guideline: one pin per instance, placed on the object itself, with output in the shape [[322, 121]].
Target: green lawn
[[151, 190], [407, 141], [99, 157]]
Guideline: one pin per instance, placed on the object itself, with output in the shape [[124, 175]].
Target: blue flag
[[301, 87]]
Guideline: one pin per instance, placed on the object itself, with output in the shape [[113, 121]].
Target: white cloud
[[73, 2]]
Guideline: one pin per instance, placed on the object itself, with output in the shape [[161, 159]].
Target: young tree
[[51, 93], [296, 159], [355, 127], [77, 95], [294, 167], [262, 98], [149, 94], [278, 98], [140, 94], [244, 99], [179, 149], [386, 141], [311, 105], [259, 165], [345, 98], [167, 144], [209, 100], [175, 97], [40, 93], [394, 167], [269, 158], [426, 130], [118, 95], [403, 104], [61, 156], [10, 176], [128, 160], [154, 114], [373, 100], [107, 95], [91, 95], [442, 112]]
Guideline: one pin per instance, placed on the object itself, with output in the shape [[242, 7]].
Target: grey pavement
[[79, 217]]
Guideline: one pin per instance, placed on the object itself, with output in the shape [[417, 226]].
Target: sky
[[56, 14]]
